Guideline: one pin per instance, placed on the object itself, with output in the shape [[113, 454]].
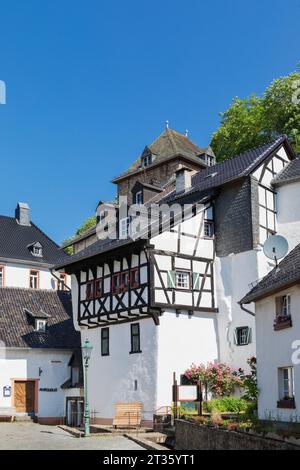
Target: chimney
[[183, 179], [22, 213]]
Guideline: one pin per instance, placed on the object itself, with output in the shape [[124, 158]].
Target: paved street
[[30, 436]]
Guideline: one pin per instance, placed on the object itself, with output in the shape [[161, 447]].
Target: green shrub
[[226, 404]]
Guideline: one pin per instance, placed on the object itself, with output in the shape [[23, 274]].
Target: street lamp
[[86, 350]]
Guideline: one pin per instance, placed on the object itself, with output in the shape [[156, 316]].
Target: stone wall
[[192, 436]]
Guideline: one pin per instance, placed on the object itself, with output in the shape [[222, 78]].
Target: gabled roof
[[17, 331], [169, 144], [290, 173], [16, 239], [233, 168], [286, 274]]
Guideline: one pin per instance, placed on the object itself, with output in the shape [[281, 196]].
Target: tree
[[252, 121], [87, 224]]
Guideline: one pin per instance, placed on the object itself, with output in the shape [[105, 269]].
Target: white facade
[[49, 369], [18, 275], [277, 350]]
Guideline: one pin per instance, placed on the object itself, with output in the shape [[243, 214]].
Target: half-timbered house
[[151, 306]]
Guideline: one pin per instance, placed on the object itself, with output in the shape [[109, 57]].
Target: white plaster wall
[[288, 216], [233, 274], [111, 378], [274, 350], [182, 341], [24, 364], [17, 275]]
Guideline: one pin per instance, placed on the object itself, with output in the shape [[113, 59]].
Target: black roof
[[18, 309], [286, 274], [15, 241], [290, 173], [233, 168]]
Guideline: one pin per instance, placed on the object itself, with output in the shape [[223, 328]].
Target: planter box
[[289, 404], [283, 324]]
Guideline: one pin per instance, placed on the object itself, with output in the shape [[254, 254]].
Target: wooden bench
[[128, 415]]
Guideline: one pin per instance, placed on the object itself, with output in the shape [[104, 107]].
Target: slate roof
[[170, 143], [17, 327], [15, 239], [286, 274], [232, 169], [290, 173]]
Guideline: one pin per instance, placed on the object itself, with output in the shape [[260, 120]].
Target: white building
[[39, 366], [276, 300], [152, 307]]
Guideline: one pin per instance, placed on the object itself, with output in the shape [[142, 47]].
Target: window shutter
[[196, 281], [249, 335], [235, 339], [171, 279]]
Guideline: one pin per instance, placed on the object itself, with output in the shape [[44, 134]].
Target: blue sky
[[90, 83]]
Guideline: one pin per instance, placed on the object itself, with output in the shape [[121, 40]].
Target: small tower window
[[147, 160]]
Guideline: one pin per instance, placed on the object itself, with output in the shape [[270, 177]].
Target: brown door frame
[[36, 391]]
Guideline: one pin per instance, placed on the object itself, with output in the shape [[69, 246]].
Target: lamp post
[[86, 350]]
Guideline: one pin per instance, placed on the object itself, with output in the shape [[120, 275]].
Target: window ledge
[[289, 404], [283, 324], [135, 352]]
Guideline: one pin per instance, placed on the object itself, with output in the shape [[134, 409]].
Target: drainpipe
[[246, 310]]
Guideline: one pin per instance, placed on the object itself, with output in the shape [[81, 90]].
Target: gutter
[[246, 309]]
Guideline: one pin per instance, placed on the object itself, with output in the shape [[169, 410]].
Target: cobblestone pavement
[[30, 436]]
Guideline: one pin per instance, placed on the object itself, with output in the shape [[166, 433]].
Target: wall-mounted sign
[[187, 392], [48, 389], [7, 391]]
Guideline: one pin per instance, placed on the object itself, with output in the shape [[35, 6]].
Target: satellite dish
[[276, 247]]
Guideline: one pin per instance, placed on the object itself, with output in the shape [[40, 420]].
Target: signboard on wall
[[187, 392]]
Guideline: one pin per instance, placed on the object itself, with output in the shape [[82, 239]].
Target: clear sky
[[90, 83]]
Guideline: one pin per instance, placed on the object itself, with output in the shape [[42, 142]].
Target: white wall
[[17, 275], [288, 217], [24, 364], [111, 378], [274, 350], [181, 342]]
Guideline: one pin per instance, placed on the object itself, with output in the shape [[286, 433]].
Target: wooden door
[[24, 392]]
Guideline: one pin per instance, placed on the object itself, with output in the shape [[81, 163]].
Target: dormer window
[[138, 197], [36, 249], [40, 325], [147, 160]]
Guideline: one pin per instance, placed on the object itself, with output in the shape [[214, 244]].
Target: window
[[37, 251], [116, 283], [61, 284], [34, 279], [105, 342], [182, 279], [135, 338], [89, 291], [283, 318], [98, 288], [138, 197], [242, 336], [125, 281], [124, 227], [286, 305], [134, 277], [286, 383], [208, 229], [40, 326], [1, 276], [147, 160]]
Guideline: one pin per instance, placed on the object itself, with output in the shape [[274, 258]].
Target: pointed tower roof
[[169, 144]]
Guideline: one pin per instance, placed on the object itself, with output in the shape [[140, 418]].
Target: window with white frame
[[286, 305], [138, 197], [1, 276], [40, 326], [125, 227], [182, 279], [208, 229], [286, 383], [242, 335], [147, 160], [34, 279]]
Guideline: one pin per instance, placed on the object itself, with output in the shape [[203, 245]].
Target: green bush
[[226, 404]]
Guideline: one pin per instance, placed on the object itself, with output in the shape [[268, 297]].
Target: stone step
[[24, 418]]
